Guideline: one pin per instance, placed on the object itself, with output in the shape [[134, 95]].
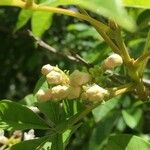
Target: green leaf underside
[[17, 117], [6, 2], [137, 3]]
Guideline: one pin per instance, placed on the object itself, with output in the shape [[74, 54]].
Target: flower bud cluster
[[63, 86], [112, 61]]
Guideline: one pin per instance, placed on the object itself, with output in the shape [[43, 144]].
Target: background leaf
[[40, 22], [17, 117], [23, 18], [127, 142], [102, 110], [41, 84], [102, 131], [132, 119]]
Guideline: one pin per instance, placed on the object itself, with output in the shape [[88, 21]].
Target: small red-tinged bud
[[112, 61], [94, 93], [59, 92], [43, 96], [46, 69], [74, 92], [78, 78]]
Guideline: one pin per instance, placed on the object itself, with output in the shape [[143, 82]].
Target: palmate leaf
[[127, 142], [17, 117]]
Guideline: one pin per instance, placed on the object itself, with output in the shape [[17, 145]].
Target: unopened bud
[[3, 139], [112, 61], [43, 96], [59, 92], [54, 77], [78, 78], [46, 69], [74, 92], [94, 93]]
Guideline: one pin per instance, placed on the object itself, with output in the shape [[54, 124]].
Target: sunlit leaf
[[23, 18], [137, 3], [41, 21], [17, 117]]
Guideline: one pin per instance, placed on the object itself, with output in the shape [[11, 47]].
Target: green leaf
[[109, 8], [132, 119], [102, 110], [29, 100], [49, 110], [41, 84], [143, 19], [23, 18], [11, 2], [102, 131], [30, 144], [40, 22], [6, 2], [17, 117], [137, 3], [127, 142]]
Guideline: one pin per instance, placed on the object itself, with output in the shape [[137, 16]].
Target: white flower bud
[[112, 61], [43, 96], [46, 69], [54, 77], [78, 78], [94, 93], [3, 139], [29, 135], [74, 92], [59, 92]]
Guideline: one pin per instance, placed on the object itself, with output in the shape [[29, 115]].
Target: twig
[[142, 58], [76, 58]]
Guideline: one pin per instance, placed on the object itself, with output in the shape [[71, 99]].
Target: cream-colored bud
[[78, 78], [43, 96], [94, 93], [3, 139], [74, 92], [46, 69], [54, 77], [112, 61], [59, 92]]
